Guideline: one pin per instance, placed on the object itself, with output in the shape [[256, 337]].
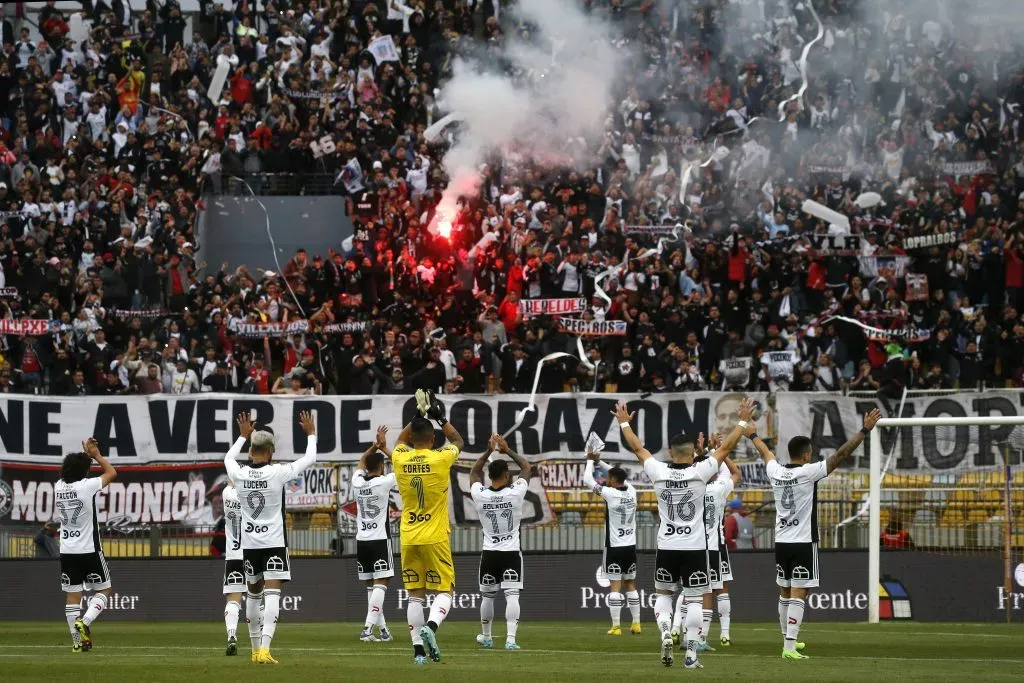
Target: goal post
[[875, 489]]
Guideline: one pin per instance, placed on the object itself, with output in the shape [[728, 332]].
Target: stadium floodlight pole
[[875, 486]]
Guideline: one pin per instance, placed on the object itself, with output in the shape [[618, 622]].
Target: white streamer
[[803, 64], [716, 155], [273, 244], [532, 404]]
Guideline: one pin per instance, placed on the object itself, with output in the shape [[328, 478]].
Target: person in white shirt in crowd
[[183, 379]]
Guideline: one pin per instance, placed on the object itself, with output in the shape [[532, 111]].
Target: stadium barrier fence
[[562, 586]]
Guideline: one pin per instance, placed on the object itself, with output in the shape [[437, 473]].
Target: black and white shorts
[[500, 569], [266, 563], [620, 563], [375, 559], [714, 570], [683, 571], [796, 565], [725, 573], [84, 571], [234, 576]]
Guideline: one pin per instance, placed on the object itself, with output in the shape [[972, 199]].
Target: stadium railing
[[276, 184]]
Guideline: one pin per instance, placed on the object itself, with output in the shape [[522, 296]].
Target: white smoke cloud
[[571, 65]]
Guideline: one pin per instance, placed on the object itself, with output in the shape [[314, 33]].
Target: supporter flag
[[383, 49], [352, 176]]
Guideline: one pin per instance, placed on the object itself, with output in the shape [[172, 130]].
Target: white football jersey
[[714, 508], [500, 512], [796, 500], [372, 496], [232, 524], [680, 490], [261, 494], [620, 510], [76, 508]]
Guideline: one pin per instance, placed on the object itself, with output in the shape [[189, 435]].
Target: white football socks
[[486, 614], [793, 621], [97, 603], [724, 613], [615, 601], [271, 611], [633, 599], [231, 610], [254, 617], [511, 614]]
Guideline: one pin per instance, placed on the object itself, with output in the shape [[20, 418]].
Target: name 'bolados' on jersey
[[501, 513]]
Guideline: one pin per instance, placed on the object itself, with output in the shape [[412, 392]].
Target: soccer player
[[796, 523], [718, 489], [728, 483], [82, 565], [681, 563], [422, 474], [619, 540], [374, 556], [500, 509], [260, 487], [234, 571]]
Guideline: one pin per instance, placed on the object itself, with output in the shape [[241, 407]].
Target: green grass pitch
[[552, 651]]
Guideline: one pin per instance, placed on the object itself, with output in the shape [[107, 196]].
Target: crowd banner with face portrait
[[140, 430]]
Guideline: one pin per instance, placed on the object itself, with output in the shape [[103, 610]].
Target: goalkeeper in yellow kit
[[423, 475]]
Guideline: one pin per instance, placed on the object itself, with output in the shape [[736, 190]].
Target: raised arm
[[476, 475], [525, 468], [588, 474], [309, 426], [381, 442], [452, 434], [92, 449], [630, 440], [405, 436], [847, 449], [244, 431], [734, 471], [435, 412]]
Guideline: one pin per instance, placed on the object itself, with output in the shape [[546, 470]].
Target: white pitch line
[[394, 652], [951, 634]]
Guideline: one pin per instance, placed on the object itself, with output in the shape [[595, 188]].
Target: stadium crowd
[[110, 145]]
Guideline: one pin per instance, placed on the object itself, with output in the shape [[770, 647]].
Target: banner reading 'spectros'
[[158, 429]]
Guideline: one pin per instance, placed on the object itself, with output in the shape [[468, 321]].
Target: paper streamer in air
[[434, 131], [826, 214], [867, 200], [803, 78], [803, 64], [531, 406], [717, 154]]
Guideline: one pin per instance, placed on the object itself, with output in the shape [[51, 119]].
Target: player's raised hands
[[872, 418], [244, 425], [593, 455], [381, 442], [746, 410], [622, 413], [91, 448], [700, 443], [307, 422], [500, 442], [715, 441]]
